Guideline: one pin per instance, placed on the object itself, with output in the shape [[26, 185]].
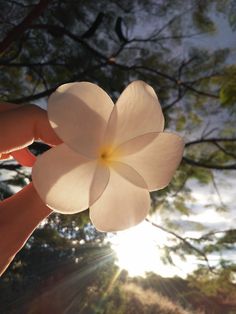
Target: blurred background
[[182, 258]]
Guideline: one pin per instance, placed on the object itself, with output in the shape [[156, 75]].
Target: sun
[[139, 250]]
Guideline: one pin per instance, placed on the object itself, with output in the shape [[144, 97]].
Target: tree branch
[[217, 190], [78, 39], [16, 32], [180, 95], [208, 234], [166, 76], [186, 242], [30, 98], [13, 57], [63, 31], [153, 39], [210, 140], [47, 92], [92, 29], [10, 167], [21, 4], [209, 166], [36, 64], [224, 150]]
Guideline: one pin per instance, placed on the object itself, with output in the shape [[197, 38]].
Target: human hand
[[20, 214], [20, 126]]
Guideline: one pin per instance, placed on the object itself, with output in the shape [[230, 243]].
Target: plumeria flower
[[111, 156]]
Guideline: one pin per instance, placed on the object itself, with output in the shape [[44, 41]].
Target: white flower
[[112, 155]]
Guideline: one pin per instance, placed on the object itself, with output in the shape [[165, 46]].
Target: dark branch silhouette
[[98, 54], [92, 29], [48, 91], [30, 98], [186, 242], [119, 31], [203, 164], [210, 140], [18, 30]]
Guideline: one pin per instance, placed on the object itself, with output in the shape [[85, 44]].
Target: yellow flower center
[[107, 155], [104, 156]]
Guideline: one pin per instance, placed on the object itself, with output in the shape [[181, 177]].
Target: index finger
[[21, 126], [5, 106], [23, 156]]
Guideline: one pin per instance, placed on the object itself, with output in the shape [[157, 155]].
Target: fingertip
[[43, 129], [5, 156], [24, 157]]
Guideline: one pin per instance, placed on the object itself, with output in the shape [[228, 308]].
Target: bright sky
[[139, 249]]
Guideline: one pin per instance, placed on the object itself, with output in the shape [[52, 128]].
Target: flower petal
[[79, 112], [68, 182], [157, 160], [124, 203], [136, 112]]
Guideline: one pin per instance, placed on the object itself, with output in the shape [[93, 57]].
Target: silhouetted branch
[[36, 64], [210, 140], [182, 185], [17, 31], [47, 92], [63, 31], [10, 167], [7, 61], [119, 31], [21, 4], [224, 150], [209, 166], [92, 29], [208, 234], [30, 98], [185, 64], [171, 21], [182, 239], [170, 105], [180, 95], [166, 76], [216, 189], [152, 39]]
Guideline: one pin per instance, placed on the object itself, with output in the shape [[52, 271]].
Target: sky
[[140, 249], [223, 38]]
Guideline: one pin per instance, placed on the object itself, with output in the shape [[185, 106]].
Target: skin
[[20, 214]]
